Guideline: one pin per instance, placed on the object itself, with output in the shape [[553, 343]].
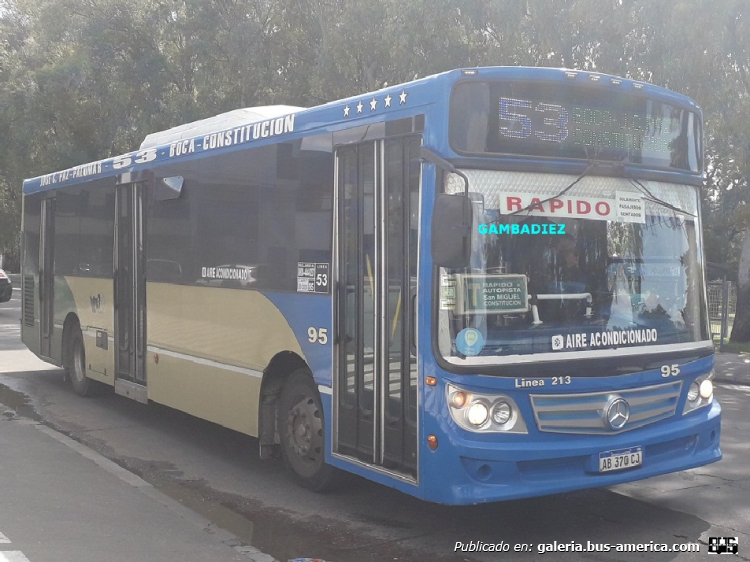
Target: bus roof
[[228, 120], [243, 128]]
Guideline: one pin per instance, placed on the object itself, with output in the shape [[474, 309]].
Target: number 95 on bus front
[[620, 459]]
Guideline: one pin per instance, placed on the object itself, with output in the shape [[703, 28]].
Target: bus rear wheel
[[75, 364], [302, 432]]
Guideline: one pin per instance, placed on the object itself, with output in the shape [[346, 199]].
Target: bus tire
[[75, 364], [302, 432]]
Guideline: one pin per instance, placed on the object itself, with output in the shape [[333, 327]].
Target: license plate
[[620, 459]]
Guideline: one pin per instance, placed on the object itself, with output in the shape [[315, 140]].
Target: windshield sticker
[[630, 207], [495, 228], [492, 294], [593, 340], [312, 277], [447, 292], [625, 207], [470, 342]]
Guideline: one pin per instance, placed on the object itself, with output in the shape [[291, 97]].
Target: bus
[[481, 285]]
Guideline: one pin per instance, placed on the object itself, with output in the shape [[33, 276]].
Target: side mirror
[[168, 188], [452, 219]]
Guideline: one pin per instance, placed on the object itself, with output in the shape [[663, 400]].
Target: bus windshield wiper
[[651, 197], [531, 206]]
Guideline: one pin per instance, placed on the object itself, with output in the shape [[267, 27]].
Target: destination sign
[[572, 121], [492, 294]]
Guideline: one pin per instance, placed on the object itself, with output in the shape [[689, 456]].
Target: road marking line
[[13, 556], [4, 539]]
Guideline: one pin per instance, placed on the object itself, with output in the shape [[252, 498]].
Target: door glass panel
[[367, 279], [369, 272], [414, 179], [401, 204], [350, 265], [394, 277], [46, 277], [356, 301], [130, 313], [124, 283]]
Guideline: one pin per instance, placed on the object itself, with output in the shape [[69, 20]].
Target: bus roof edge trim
[[234, 118]]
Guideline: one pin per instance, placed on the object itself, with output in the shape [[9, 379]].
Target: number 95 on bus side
[[620, 459]]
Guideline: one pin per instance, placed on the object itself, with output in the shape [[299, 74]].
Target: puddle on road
[[14, 403], [275, 532]]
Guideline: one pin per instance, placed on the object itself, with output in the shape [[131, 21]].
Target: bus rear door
[[130, 293], [47, 276]]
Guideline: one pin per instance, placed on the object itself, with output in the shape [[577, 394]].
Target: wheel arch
[[275, 376]]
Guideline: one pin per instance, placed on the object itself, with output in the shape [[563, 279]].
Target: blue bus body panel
[[302, 312]]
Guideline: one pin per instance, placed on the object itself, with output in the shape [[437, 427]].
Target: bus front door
[[375, 391], [130, 293]]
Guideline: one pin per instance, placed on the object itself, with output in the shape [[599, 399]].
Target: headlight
[[484, 412], [706, 389], [477, 414], [501, 413], [700, 393], [693, 392]]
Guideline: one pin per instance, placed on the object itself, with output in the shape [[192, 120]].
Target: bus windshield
[[611, 264]]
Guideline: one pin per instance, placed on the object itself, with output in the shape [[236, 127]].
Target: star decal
[[373, 104], [387, 100], [346, 111], [360, 105], [402, 97]]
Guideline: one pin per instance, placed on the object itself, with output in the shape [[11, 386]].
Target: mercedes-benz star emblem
[[617, 412]]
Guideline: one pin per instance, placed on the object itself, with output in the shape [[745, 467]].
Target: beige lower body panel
[[208, 347], [209, 391], [91, 300]]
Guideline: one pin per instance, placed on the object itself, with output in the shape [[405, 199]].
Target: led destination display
[[572, 121]]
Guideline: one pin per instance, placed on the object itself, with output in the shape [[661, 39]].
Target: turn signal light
[[459, 399], [432, 442]]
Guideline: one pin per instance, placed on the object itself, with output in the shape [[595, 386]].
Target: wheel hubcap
[[78, 362], [304, 429]]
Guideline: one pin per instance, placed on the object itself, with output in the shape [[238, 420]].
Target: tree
[[82, 80]]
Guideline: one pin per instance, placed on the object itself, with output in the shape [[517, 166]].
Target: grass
[[733, 347]]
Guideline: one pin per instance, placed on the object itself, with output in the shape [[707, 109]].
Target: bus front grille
[[586, 413]]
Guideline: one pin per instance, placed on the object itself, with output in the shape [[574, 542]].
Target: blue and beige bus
[[480, 285]]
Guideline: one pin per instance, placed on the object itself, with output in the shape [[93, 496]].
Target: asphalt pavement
[[732, 368]]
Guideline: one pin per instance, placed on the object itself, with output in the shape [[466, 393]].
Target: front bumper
[[486, 472]]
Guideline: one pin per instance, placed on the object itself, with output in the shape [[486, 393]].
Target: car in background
[[6, 287]]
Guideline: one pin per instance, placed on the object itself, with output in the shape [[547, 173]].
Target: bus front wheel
[[302, 432], [75, 364]]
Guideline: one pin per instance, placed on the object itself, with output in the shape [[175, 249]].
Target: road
[[216, 473]]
